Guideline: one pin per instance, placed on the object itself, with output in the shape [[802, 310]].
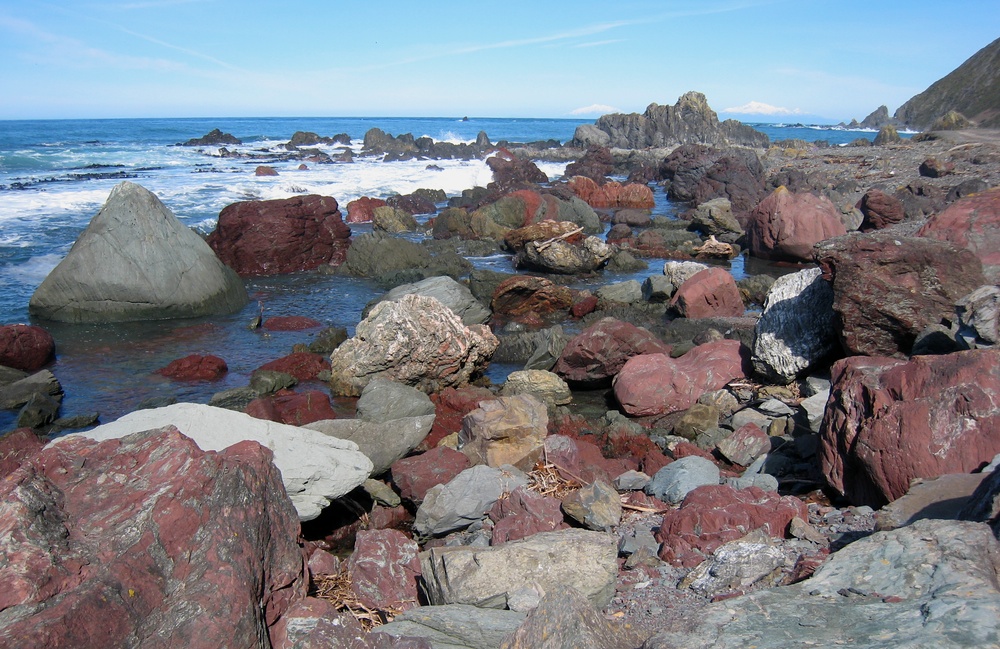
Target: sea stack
[[137, 261]]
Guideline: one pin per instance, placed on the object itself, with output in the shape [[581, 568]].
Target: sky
[[757, 60]]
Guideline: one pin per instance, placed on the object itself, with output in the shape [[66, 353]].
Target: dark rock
[[213, 137], [511, 173], [880, 210], [195, 367], [972, 223], [934, 168], [415, 475], [566, 620], [291, 323], [523, 514], [887, 135], [599, 351], [523, 294], [265, 170], [385, 258], [25, 347]]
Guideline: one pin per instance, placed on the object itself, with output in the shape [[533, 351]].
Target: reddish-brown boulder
[[700, 173], [291, 323], [972, 223], [362, 210], [265, 170], [415, 475], [786, 226], [715, 514], [709, 293], [281, 236], [934, 168], [195, 367], [656, 384], [880, 210], [542, 231], [584, 304], [411, 203], [25, 347], [524, 513], [612, 193], [451, 405], [133, 542], [511, 173], [598, 352], [582, 461], [314, 623], [384, 570], [16, 447], [889, 421], [887, 289], [293, 408], [302, 365], [523, 294]]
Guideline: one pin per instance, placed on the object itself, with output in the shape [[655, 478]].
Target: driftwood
[[562, 237]]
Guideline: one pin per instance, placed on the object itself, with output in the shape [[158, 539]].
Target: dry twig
[[336, 589]]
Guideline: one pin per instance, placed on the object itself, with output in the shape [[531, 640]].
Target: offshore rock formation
[[690, 121]]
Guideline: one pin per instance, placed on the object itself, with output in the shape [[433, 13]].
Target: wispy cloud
[[594, 109], [600, 43], [760, 108]]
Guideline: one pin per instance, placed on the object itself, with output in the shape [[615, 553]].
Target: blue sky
[[761, 60]]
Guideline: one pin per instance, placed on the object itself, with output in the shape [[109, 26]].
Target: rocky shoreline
[[683, 462]]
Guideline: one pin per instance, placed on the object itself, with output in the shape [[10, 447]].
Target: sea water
[[56, 174]]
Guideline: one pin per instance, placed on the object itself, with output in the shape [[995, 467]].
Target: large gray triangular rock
[[137, 261], [315, 468]]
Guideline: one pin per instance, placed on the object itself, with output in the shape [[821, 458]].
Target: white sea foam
[[34, 270]]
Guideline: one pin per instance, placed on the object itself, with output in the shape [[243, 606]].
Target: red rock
[[600, 351], [291, 323], [686, 449], [302, 365], [524, 513], [582, 461], [745, 445], [612, 193], [887, 289], [584, 305], [934, 168], [281, 236], [891, 421], [415, 475], [709, 293], [511, 173], [323, 563], [523, 294], [362, 210], [973, 223], [314, 623], [195, 368], [303, 167], [16, 447], [292, 408], [451, 405], [138, 542], [880, 210], [384, 570], [25, 347], [786, 226], [715, 514], [265, 170], [655, 384]]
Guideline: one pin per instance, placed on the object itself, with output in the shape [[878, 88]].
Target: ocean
[[56, 174]]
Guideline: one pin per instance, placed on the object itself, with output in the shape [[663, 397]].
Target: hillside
[[973, 89]]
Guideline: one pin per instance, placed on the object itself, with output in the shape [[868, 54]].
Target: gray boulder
[[736, 565], [546, 562], [137, 261], [796, 328], [383, 400], [679, 272], [455, 626], [384, 442], [563, 258], [465, 499], [450, 293], [627, 292], [673, 482], [547, 386], [315, 468], [566, 620], [19, 392]]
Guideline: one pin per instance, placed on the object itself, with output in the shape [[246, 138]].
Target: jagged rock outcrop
[[689, 121]]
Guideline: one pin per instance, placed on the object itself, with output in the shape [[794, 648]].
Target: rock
[[541, 231], [796, 328], [270, 381], [600, 351], [450, 293], [566, 620], [715, 218], [656, 384], [696, 420], [507, 430], [887, 135], [303, 366], [888, 289], [550, 561], [383, 401], [786, 226], [561, 257], [984, 503], [393, 220], [384, 570], [679, 272], [596, 506], [313, 623], [212, 138], [979, 314], [16, 447], [632, 217], [382, 443], [315, 468], [41, 409], [292, 408], [195, 367], [674, 481], [386, 258], [657, 288], [972, 223], [455, 626], [265, 170], [415, 475], [25, 347], [612, 194], [715, 514], [140, 538], [421, 201], [942, 497], [523, 294], [512, 173], [624, 292], [745, 445], [291, 323], [710, 293], [736, 566], [451, 405], [879, 591], [281, 236], [880, 210], [98, 280], [934, 168], [362, 210], [416, 341], [889, 421], [523, 514], [464, 500], [328, 340], [18, 393], [548, 387]]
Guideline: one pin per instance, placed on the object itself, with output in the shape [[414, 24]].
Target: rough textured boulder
[[415, 340], [18, 393], [599, 351], [464, 499], [383, 401], [888, 289], [546, 386], [384, 569], [393, 220], [131, 542], [552, 561], [523, 294], [796, 328], [931, 584], [137, 261], [507, 430], [315, 468], [304, 366], [362, 210], [453, 626], [715, 218], [524, 513], [415, 475], [612, 193], [676, 480], [383, 257], [656, 384], [890, 421], [566, 620], [383, 443], [880, 210], [564, 258], [710, 293], [312, 623], [25, 347], [972, 223], [512, 173], [452, 294], [786, 226]]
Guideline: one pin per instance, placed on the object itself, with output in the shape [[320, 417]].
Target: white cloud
[[760, 108], [594, 109]]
